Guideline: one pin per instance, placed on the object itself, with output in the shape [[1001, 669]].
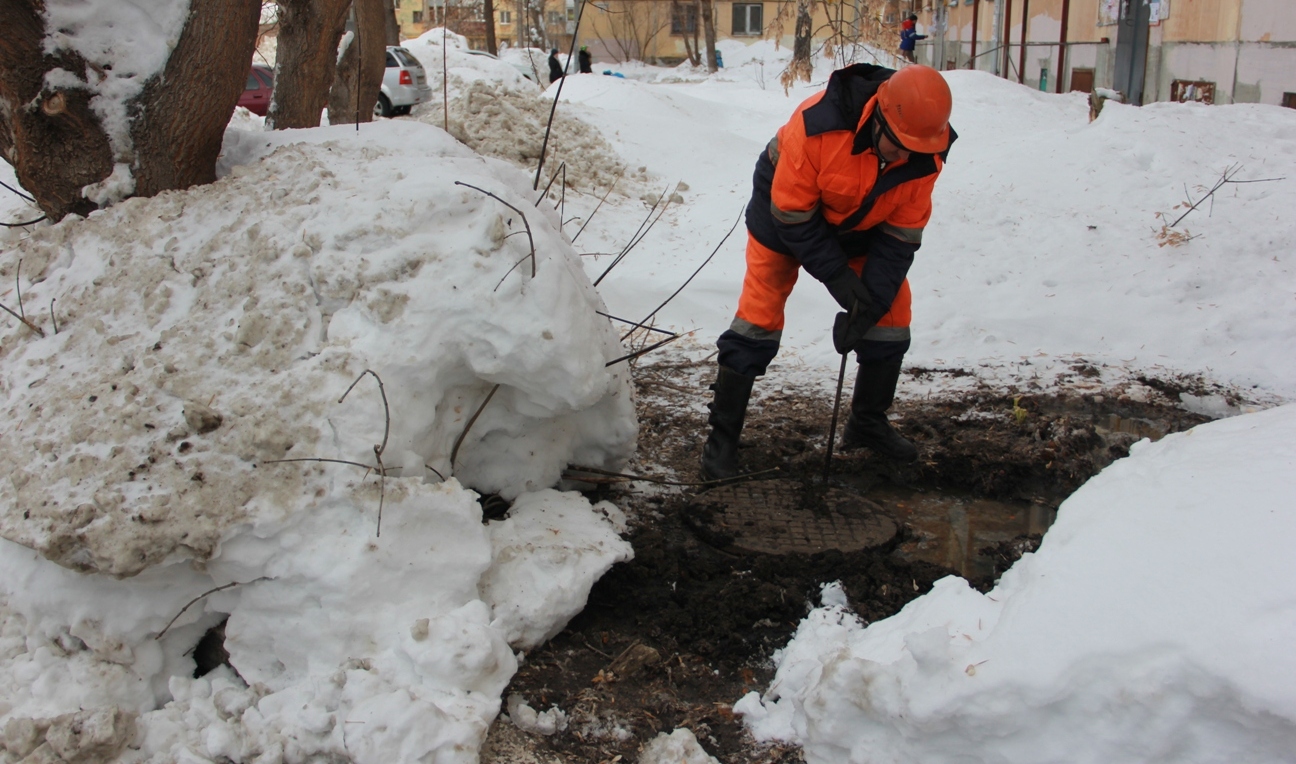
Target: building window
[[556, 17], [747, 18], [1198, 91], [683, 18], [417, 17], [506, 17]]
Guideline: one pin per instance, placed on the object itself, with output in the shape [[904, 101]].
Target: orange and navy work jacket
[[821, 195]]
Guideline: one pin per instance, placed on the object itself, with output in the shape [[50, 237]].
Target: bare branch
[[530, 239], [200, 596], [386, 411], [25, 322], [674, 294], [637, 326], [649, 349], [600, 204], [18, 288], [639, 234], [454, 452]]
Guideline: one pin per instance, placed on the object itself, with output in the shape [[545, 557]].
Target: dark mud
[[675, 637]]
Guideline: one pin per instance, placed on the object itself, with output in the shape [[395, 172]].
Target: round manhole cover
[[786, 516]]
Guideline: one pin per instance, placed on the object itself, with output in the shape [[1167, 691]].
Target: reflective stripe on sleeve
[[793, 217], [753, 332], [772, 150], [907, 235], [887, 334]]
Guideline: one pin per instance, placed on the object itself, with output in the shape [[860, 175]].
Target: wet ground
[[675, 637]]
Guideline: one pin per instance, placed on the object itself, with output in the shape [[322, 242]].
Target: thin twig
[[321, 459], [649, 349], [20, 225], [25, 322], [53, 317], [1229, 173], [632, 323], [544, 146], [661, 481], [379, 448], [200, 596], [527, 225], [454, 452], [639, 234], [674, 294], [562, 168], [16, 191], [18, 288], [596, 208], [386, 411]]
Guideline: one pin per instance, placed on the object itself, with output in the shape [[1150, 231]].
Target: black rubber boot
[[867, 425], [728, 409]]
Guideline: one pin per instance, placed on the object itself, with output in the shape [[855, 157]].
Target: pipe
[[1021, 66], [1007, 40], [1062, 43], [976, 14]]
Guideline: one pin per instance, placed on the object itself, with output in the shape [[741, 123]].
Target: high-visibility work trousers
[[752, 340]]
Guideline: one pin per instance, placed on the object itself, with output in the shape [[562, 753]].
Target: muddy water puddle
[[952, 531]]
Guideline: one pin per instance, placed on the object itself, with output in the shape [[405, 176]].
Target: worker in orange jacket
[[843, 191]]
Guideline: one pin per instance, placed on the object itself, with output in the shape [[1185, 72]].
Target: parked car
[[256, 94], [522, 69], [404, 84]]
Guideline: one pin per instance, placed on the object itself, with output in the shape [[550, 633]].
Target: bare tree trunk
[[58, 148], [389, 21], [58, 145], [488, 10], [800, 68], [709, 30], [309, 31], [360, 68], [184, 111]]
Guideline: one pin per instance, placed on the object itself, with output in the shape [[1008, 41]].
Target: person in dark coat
[[908, 36], [585, 60], [555, 68]]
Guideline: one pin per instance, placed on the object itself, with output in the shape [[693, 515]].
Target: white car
[[404, 84], [523, 70]]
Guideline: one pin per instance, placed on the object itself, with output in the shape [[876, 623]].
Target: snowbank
[[204, 335], [1140, 631]]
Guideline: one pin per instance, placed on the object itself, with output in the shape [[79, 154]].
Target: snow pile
[[679, 747], [124, 44], [1140, 631], [204, 334], [495, 120]]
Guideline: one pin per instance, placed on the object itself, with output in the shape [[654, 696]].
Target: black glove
[[849, 331], [847, 289]]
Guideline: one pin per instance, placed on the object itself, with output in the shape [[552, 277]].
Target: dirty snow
[[203, 335]]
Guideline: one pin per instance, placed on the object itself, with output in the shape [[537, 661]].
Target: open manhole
[[786, 517]]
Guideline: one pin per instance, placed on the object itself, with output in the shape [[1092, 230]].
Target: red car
[[256, 95]]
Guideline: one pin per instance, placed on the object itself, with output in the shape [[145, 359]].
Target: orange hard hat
[[916, 103]]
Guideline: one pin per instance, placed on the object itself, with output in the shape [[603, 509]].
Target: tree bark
[[309, 32], [58, 145], [488, 10], [183, 113], [360, 69], [389, 20], [709, 31], [800, 67]]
